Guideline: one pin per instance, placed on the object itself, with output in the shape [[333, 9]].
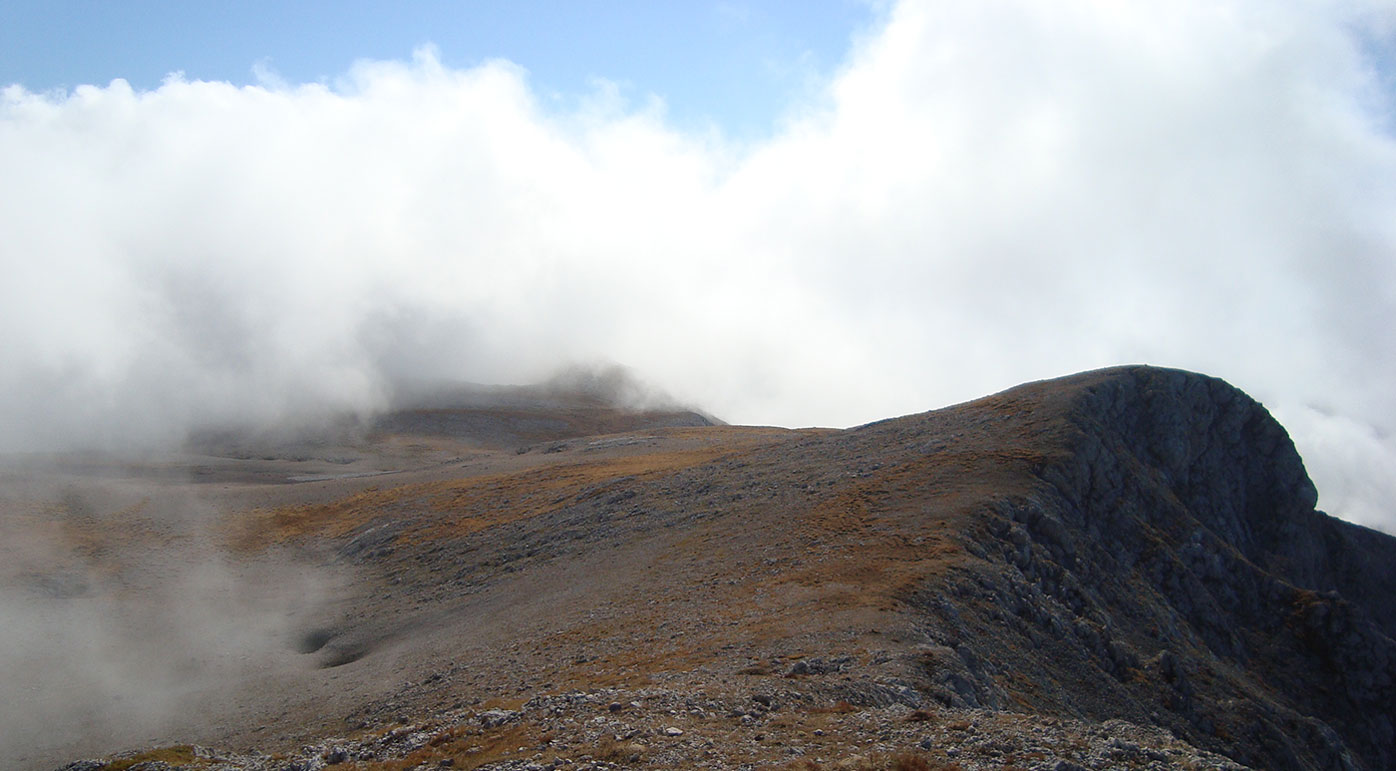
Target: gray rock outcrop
[[1170, 567]]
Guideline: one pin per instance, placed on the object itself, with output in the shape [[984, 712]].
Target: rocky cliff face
[[1169, 567]]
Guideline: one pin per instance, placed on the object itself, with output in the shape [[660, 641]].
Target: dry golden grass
[[462, 748], [614, 751], [182, 755], [462, 506], [263, 527], [905, 761], [89, 534], [877, 564]]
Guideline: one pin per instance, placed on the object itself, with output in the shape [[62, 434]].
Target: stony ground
[[771, 727]]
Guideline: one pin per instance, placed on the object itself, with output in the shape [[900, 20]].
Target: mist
[[981, 195], [125, 618]]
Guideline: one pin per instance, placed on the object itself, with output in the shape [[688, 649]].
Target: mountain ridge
[[1203, 500], [1134, 544]]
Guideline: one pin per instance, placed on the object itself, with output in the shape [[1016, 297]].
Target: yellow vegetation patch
[[905, 761], [182, 755], [462, 506], [263, 527], [463, 748]]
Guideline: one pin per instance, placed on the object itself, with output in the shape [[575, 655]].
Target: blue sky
[[735, 64]]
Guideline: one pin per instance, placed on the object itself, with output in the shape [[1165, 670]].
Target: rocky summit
[[1118, 569]]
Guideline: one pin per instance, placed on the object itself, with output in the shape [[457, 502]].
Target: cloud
[[984, 194], [123, 620]]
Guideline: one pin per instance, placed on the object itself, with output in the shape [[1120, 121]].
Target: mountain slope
[[1170, 552], [1134, 544]]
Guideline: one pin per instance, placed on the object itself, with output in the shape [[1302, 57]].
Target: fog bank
[[983, 195]]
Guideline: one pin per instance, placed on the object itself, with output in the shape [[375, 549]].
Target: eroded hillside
[[1122, 568]]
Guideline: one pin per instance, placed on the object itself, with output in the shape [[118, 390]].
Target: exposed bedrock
[[1170, 567]]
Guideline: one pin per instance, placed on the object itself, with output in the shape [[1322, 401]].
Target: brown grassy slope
[[1028, 550], [718, 547], [1051, 549]]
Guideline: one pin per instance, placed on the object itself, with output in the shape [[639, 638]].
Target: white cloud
[[986, 193]]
